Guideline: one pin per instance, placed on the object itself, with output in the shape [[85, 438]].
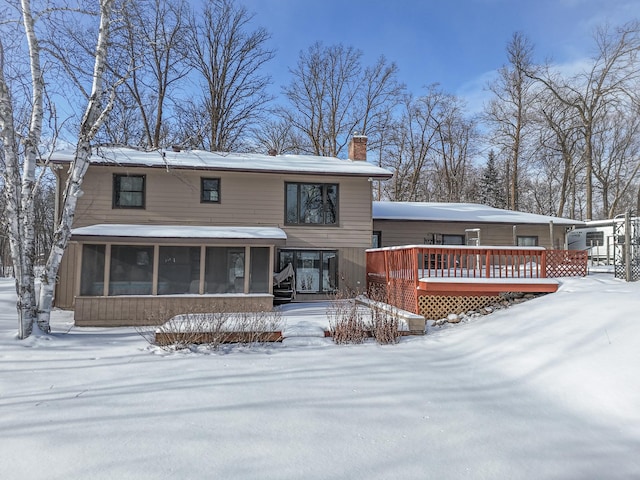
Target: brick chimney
[[358, 148]]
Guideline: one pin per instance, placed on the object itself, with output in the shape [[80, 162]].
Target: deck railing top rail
[[458, 247]]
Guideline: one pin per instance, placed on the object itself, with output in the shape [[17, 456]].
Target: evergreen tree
[[491, 192]]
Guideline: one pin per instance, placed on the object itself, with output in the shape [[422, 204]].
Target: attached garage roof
[[460, 212], [180, 231]]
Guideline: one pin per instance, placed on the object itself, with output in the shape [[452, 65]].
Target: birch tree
[[21, 154]]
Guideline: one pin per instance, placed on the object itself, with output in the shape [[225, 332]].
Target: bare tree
[[276, 136], [410, 151], [44, 219], [431, 149], [616, 154], [456, 140], [228, 57], [332, 96], [508, 112], [610, 79], [557, 156], [20, 164], [153, 42]]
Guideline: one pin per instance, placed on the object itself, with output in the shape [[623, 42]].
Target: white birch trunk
[[92, 120], [30, 158], [19, 188], [20, 175]]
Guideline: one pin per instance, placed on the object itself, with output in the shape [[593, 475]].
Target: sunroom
[[144, 274]]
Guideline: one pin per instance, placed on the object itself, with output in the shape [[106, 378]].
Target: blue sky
[[457, 43]]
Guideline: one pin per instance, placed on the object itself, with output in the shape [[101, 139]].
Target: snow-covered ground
[[548, 389]]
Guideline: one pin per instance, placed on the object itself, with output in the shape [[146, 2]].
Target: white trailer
[[598, 237]]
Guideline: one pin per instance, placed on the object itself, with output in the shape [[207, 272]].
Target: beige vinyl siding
[[65, 288], [247, 199], [353, 269], [414, 232], [150, 310]]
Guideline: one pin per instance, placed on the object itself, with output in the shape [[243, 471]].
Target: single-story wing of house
[[434, 223]]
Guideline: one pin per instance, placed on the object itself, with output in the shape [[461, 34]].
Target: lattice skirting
[[435, 307]]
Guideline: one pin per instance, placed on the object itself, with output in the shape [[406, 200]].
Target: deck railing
[[395, 271]]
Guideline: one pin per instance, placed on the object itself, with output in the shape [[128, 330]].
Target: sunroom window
[[131, 271], [224, 270], [92, 273], [178, 270]]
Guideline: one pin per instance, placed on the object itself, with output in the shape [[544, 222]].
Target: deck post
[[543, 261], [416, 280], [487, 266], [386, 271]]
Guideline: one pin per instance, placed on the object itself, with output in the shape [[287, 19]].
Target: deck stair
[[284, 285]]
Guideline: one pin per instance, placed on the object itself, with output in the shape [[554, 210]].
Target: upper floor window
[[128, 191], [210, 190], [311, 203]]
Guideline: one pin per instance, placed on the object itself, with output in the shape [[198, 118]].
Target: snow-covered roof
[[180, 231], [247, 162], [460, 212]]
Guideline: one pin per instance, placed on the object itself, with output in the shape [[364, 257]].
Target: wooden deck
[[407, 274]]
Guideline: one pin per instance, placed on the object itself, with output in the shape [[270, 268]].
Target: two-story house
[[158, 233]]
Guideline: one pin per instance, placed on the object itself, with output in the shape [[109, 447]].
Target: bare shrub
[[377, 292], [256, 328], [346, 321], [384, 325], [384, 318], [184, 331]]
